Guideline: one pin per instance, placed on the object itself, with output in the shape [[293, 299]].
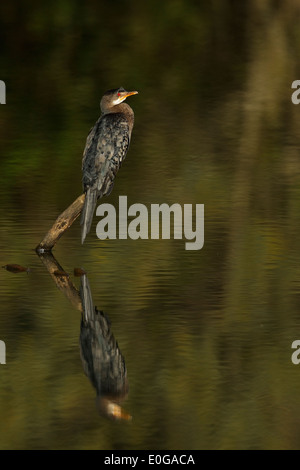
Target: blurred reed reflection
[[101, 357]]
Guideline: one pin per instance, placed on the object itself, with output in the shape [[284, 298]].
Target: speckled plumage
[[101, 357], [106, 148], [102, 360]]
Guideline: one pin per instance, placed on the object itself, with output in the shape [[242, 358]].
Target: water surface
[[205, 335]]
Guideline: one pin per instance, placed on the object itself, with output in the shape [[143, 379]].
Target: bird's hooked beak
[[123, 95], [129, 93]]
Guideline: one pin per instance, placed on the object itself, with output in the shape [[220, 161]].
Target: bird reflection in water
[[101, 357]]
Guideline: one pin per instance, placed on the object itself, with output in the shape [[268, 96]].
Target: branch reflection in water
[[101, 357]]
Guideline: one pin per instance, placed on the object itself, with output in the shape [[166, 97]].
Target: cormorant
[[102, 360], [105, 150]]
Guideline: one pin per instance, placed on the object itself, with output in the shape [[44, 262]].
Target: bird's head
[[112, 410], [114, 97]]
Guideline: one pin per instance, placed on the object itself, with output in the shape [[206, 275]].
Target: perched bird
[[105, 150]]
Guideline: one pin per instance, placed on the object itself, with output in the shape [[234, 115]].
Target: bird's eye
[[119, 94]]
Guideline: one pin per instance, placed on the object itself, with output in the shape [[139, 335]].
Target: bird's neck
[[125, 109], [120, 108]]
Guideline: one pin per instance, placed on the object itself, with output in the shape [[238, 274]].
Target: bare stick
[[62, 223], [61, 279]]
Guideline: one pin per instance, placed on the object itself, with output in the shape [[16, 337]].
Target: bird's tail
[[88, 212], [88, 308]]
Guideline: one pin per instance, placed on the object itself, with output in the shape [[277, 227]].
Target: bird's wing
[[105, 150]]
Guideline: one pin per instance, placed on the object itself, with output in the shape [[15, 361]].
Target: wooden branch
[[62, 223], [61, 279]]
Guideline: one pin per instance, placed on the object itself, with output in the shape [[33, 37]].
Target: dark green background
[[206, 335]]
